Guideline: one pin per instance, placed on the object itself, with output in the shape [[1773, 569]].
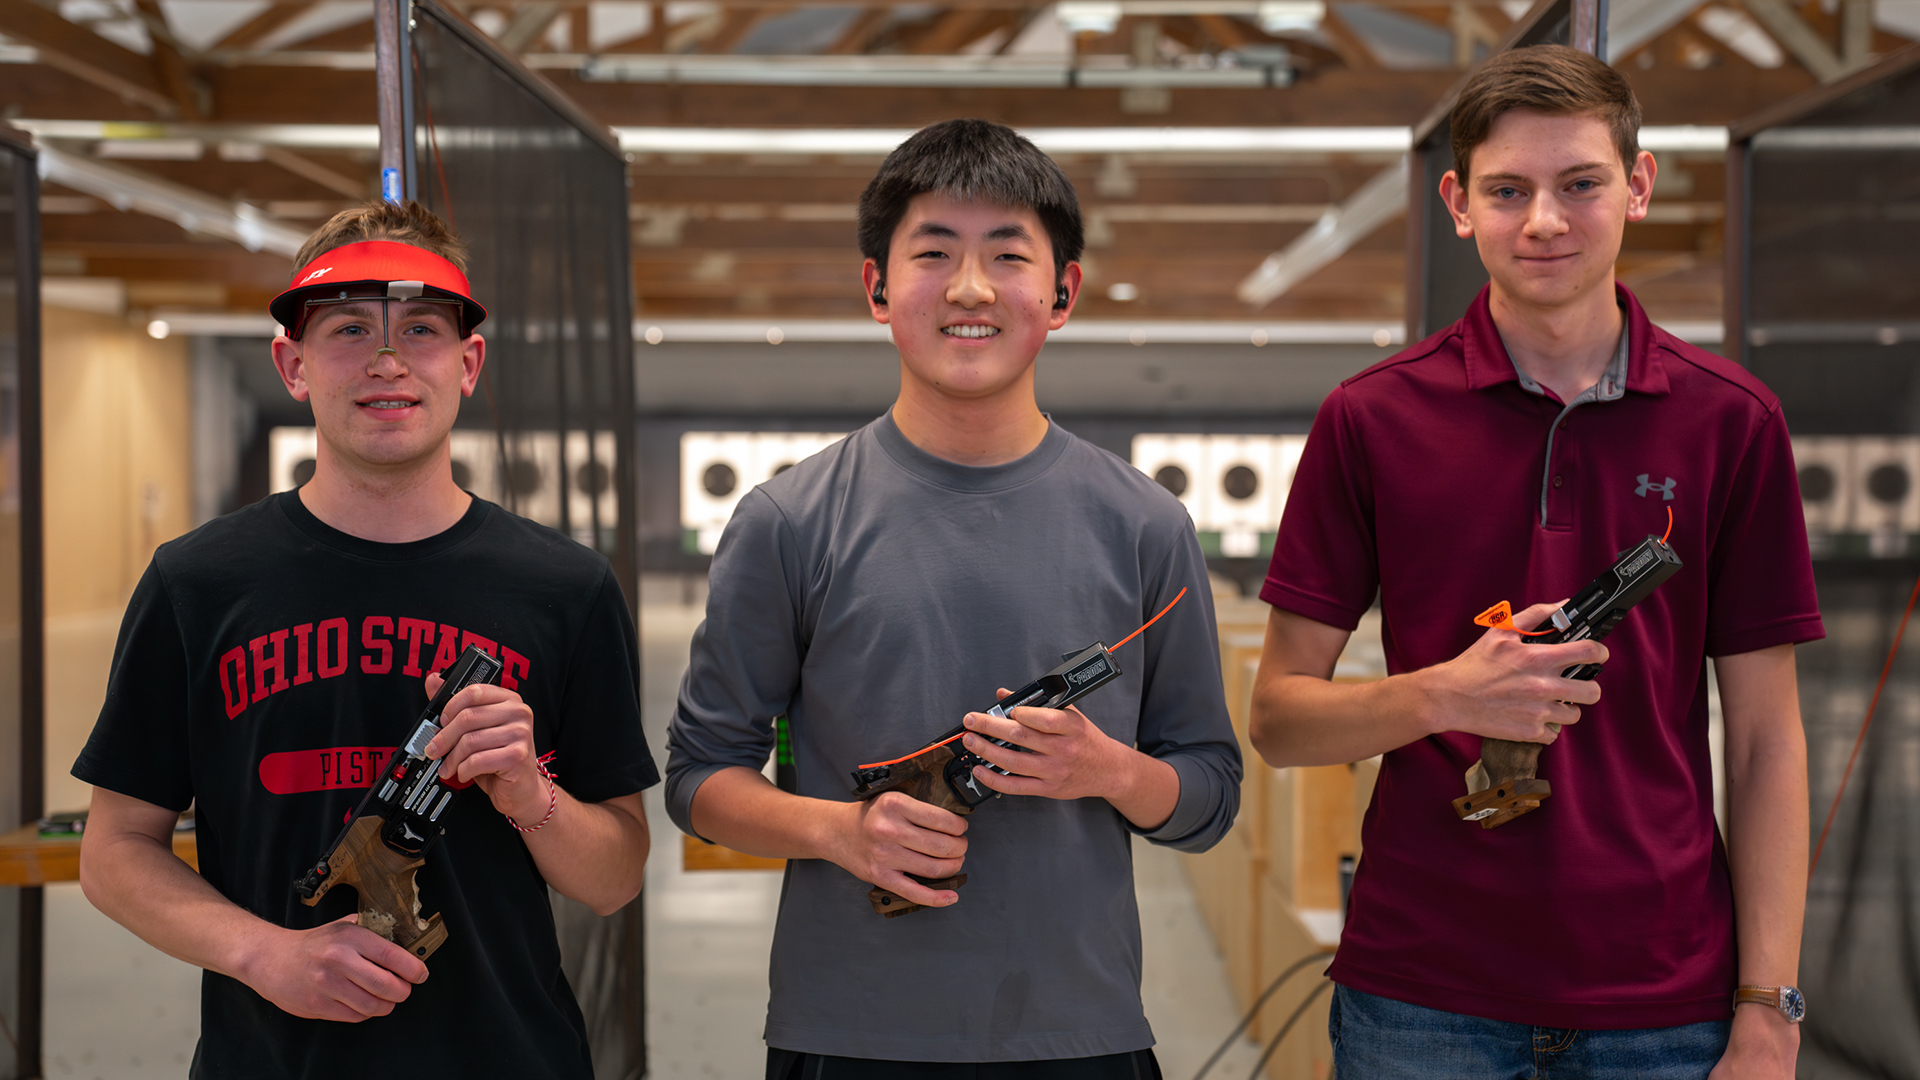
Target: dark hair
[[973, 161], [1550, 79], [405, 223]]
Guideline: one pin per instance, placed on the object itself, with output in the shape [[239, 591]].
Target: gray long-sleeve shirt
[[874, 594]]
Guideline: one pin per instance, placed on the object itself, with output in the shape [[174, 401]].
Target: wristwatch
[[1785, 998]]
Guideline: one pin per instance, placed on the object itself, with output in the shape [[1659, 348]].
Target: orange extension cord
[[1814, 862]]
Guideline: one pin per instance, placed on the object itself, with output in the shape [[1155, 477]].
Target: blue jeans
[[1376, 1038]]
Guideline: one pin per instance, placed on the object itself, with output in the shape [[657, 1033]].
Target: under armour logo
[[1646, 485], [408, 832]]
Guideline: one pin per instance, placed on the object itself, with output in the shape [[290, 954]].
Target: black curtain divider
[[538, 190]]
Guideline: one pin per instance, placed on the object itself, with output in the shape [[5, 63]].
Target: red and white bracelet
[[553, 796]]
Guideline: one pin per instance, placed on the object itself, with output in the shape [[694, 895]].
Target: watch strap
[[1785, 999]]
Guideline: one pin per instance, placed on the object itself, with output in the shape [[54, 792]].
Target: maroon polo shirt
[[1430, 479]]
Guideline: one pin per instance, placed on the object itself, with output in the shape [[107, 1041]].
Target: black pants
[[790, 1065]]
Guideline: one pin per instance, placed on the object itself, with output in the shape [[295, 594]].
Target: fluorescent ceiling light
[[877, 142], [151, 149], [1839, 138], [1684, 138], [1088, 16], [1291, 16], [294, 136], [192, 210], [1110, 140]]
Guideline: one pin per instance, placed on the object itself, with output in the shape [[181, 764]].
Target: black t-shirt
[[269, 664]]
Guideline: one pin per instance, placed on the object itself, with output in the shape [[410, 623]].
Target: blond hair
[[404, 223]]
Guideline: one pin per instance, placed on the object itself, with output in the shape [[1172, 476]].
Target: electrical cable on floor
[[1274, 1043], [1814, 862], [1271, 989]]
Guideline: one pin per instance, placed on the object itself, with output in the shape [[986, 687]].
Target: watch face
[[1792, 1004]]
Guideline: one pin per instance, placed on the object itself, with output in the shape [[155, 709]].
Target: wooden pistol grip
[[923, 778], [1510, 760], [892, 904], [384, 880], [1512, 788], [926, 781]]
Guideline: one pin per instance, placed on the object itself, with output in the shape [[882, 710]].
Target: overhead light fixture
[[1291, 16], [1134, 141], [1088, 16]]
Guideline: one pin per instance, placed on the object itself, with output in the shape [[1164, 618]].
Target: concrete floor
[[120, 1010]]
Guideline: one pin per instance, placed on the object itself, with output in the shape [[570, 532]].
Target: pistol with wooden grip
[[1502, 786], [386, 839], [942, 772]]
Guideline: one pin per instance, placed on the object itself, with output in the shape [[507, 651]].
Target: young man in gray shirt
[[875, 592]]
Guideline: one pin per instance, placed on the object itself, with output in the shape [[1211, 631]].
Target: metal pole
[[32, 924], [390, 74], [1588, 30]]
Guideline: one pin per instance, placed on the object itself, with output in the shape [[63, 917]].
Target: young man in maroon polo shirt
[[1511, 457]]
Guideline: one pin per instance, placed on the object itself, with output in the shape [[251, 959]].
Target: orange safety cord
[[945, 741], [1814, 862], [915, 754], [1150, 622], [1669, 532]]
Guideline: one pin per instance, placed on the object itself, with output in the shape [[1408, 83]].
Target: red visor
[[375, 268]]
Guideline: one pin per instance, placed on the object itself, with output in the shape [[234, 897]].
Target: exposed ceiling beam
[[1353, 51], [1793, 33], [86, 55], [1226, 32], [195, 211], [911, 69], [1633, 23], [170, 65], [734, 28], [951, 30], [528, 23], [1377, 202], [308, 169], [861, 31], [1856, 33], [1470, 31], [272, 18]]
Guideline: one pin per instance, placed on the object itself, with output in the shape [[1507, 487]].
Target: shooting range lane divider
[[941, 773], [1502, 785], [386, 839]]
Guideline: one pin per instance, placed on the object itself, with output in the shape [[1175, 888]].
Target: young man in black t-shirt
[[271, 660]]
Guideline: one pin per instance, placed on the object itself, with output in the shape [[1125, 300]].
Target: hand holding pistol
[[386, 838], [1502, 785]]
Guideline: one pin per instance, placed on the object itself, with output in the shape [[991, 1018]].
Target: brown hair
[[406, 223], [1551, 79]]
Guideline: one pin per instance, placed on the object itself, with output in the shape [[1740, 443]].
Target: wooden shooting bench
[[699, 855], [29, 859]]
